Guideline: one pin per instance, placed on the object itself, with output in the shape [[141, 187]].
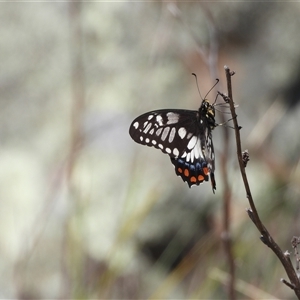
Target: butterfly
[[185, 135]]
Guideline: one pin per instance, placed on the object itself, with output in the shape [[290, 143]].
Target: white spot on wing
[[172, 135], [150, 117], [175, 152], [147, 140], [147, 128], [136, 125], [188, 157], [197, 150], [153, 142], [168, 150], [192, 142], [165, 133], [182, 132], [160, 146], [172, 118], [192, 155], [158, 131], [141, 138], [159, 120], [151, 131]]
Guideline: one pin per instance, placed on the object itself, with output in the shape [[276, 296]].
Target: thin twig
[[288, 284], [266, 238], [227, 197], [295, 242]]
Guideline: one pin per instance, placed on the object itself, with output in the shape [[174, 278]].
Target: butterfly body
[[185, 135]]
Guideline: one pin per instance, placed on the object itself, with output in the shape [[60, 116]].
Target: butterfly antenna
[[197, 84], [217, 81]]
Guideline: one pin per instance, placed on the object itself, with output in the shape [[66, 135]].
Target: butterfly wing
[[184, 136]]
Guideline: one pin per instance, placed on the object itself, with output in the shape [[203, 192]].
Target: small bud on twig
[[245, 157]]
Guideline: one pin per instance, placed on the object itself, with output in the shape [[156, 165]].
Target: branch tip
[[290, 285]]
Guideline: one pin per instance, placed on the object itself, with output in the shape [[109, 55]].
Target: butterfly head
[[207, 111]]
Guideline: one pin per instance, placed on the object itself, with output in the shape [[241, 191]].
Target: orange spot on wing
[[205, 171], [179, 170], [186, 172], [193, 179], [200, 178]]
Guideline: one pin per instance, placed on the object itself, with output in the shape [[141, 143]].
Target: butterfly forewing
[[185, 135], [166, 130]]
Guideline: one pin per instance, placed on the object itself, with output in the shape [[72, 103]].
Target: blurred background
[[88, 213]]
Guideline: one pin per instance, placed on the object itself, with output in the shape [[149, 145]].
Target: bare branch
[[265, 237], [295, 242]]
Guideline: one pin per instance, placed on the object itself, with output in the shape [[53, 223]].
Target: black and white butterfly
[[185, 135]]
